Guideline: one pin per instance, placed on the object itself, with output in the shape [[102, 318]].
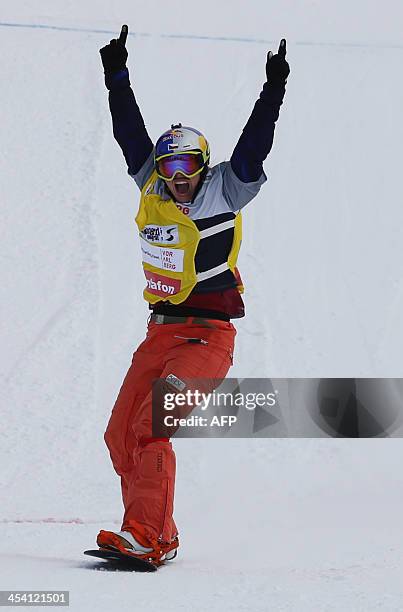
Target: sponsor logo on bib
[[161, 233], [161, 257], [161, 285]]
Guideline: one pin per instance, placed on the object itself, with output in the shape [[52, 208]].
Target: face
[[183, 188]]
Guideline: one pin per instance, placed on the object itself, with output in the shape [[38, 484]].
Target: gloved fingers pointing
[[123, 35], [282, 50]]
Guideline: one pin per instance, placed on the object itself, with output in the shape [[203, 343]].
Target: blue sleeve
[[257, 136], [128, 125]]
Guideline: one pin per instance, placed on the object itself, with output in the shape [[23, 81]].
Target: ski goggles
[[189, 164]]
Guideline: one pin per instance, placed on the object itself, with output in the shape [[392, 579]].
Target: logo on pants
[[175, 382]]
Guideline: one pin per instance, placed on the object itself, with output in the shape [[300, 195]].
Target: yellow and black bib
[[181, 255]]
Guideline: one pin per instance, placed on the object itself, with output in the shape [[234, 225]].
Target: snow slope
[[266, 524]]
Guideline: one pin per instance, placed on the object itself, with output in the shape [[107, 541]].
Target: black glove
[[277, 68], [114, 55]]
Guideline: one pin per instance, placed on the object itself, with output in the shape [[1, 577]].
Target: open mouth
[[182, 187]]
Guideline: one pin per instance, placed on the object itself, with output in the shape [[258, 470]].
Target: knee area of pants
[[108, 438], [117, 451]]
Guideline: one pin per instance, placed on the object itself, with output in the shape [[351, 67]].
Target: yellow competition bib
[[169, 241]]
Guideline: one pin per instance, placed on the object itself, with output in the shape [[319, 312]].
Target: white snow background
[[265, 524]]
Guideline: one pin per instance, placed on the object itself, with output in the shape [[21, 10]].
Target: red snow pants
[[146, 465]]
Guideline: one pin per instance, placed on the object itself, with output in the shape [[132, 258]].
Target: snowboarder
[[190, 234]]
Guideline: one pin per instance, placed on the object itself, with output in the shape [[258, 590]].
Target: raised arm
[[128, 125], [256, 139]]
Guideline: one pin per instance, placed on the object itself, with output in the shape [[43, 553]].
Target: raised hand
[[114, 55], [277, 68]]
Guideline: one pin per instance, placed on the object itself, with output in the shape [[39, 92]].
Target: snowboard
[[121, 561]]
